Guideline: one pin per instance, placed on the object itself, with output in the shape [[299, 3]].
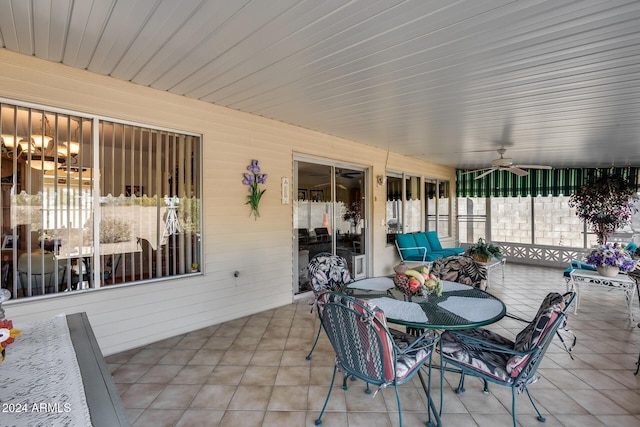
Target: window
[[472, 219], [541, 220], [394, 207], [73, 223], [437, 207], [412, 204]]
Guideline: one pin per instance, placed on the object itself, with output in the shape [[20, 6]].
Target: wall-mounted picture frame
[[302, 194], [133, 190], [317, 195]]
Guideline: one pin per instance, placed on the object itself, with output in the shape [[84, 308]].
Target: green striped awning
[[539, 182]]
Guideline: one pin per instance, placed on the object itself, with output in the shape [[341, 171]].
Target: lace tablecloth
[[40, 381]]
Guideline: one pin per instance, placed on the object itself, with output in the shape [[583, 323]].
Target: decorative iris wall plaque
[[253, 179]]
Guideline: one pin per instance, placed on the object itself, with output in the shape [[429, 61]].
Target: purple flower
[[253, 167], [252, 180], [248, 179], [611, 255]]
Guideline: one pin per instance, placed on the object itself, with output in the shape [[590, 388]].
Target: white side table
[[621, 282]]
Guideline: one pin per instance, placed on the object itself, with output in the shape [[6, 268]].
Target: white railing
[[552, 256]]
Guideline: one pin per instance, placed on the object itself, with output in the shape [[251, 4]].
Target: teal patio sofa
[[424, 247]]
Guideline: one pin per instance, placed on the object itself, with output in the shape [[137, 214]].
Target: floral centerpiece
[[413, 282], [612, 257], [255, 193]]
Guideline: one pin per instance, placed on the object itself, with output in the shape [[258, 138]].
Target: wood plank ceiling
[[555, 82]]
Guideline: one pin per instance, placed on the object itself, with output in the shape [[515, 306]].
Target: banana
[[416, 274]]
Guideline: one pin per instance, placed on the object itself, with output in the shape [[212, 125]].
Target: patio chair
[[461, 269], [493, 358], [328, 273], [367, 349]]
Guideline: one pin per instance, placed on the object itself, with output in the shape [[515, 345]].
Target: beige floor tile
[[160, 374], [213, 396], [236, 357], [596, 402], [193, 375], [227, 375], [158, 418], [242, 418], [293, 375], [283, 418], [176, 396], [251, 397], [259, 375], [207, 356], [130, 373], [266, 358], [141, 395], [177, 356], [200, 418], [288, 398], [253, 371]]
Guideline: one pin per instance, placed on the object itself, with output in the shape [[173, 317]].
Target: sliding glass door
[[329, 216]]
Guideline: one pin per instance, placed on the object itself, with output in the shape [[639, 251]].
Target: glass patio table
[[459, 307]]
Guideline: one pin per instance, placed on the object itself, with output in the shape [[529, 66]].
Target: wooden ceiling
[[555, 82]]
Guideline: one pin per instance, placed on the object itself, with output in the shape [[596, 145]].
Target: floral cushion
[[503, 366], [490, 363], [531, 335], [461, 269], [411, 359], [329, 273]]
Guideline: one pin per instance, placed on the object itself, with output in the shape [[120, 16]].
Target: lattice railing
[[555, 256]]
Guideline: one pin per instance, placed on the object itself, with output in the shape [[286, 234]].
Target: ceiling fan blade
[[518, 171], [531, 167], [475, 170], [486, 173]]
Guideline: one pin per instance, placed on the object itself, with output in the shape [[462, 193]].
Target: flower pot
[[608, 271], [480, 258]]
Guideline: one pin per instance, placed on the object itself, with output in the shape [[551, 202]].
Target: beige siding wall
[[261, 250]]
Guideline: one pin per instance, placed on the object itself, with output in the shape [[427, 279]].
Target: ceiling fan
[[506, 163]]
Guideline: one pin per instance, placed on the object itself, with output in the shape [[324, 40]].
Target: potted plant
[[605, 204], [610, 258], [483, 251]]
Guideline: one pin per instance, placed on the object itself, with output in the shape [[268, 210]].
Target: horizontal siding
[[261, 250]]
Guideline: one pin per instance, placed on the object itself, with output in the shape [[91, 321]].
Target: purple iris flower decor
[[252, 180]]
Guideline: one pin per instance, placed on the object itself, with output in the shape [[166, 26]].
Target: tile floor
[[253, 372]]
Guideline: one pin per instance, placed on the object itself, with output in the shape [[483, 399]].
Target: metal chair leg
[[314, 343]]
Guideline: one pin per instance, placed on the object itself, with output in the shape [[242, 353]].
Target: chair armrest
[[425, 341], [419, 248], [489, 346]]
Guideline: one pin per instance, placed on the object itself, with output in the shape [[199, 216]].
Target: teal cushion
[[421, 240], [407, 241], [582, 265], [434, 242], [631, 248]]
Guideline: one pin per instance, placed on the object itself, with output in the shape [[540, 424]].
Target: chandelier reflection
[[41, 151]]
